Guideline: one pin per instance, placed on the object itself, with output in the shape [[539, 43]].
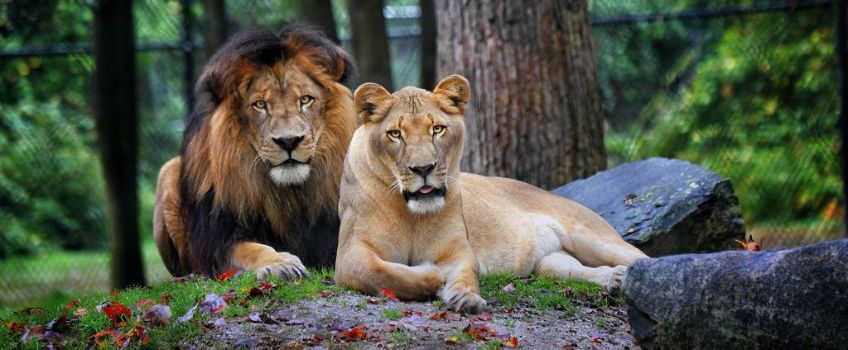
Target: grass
[[539, 292], [543, 292]]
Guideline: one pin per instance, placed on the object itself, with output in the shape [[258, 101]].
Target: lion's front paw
[[614, 278], [462, 299], [283, 265]]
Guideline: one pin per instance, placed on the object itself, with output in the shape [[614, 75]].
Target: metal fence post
[[187, 48], [842, 52]]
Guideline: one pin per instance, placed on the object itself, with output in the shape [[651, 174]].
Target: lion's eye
[[395, 134], [260, 104], [438, 129], [306, 100]]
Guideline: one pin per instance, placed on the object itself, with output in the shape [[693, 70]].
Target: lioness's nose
[[423, 171], [288, 143]]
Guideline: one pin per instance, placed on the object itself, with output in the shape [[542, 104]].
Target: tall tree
[[117, 133], [427, 21], [320, 13], [370, 42], [535, 113], [214, 22]]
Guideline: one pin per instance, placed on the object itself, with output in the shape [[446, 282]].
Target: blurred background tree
[[750, 97]]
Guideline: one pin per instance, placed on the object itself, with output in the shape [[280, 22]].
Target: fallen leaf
[[512, 342], [188, 315], [261, 318], [80, 312], [372, 300], [71, 304], [452, 340], [484, 316], [35, 332], [354, 334], [509, 288], [750, 245], [15, 327], [114, 295], [59, 324], [101, 338], [157, 315], [388, 293], [165, 298], [143, 303], [212, 304], [479, 332], [229, 296], [32, 310], [118, 314], [295, 322], [326, 293], [219, 322], [226, 275]]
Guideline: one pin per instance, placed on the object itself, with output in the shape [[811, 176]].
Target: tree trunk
[[117, 133], [535, 111], [320, 13], [214, 22], [370, 42], [428, 44]]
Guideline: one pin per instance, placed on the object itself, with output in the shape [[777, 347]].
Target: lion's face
[[284, 108], [417, 135]]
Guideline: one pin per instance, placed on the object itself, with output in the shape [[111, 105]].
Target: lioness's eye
[[305, 100], [438, 129], [260, 104], [395, 134]]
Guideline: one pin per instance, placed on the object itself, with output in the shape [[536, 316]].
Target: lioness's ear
[[452, 93], [371, 101]]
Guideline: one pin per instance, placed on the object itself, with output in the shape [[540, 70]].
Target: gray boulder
[[663, 206], [786, 299]]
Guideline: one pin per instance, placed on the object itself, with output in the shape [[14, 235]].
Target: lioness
[[256, 185], [410, 221]]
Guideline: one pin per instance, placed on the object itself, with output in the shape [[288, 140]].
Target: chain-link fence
[[748, 91]]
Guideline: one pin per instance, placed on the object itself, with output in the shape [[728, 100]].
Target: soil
[[349, 320]]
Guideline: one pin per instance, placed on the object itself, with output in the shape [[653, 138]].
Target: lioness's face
[[284, 108], [417, 135]]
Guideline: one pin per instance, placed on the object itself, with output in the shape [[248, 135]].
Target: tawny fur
[[486, 224], [230, 154]]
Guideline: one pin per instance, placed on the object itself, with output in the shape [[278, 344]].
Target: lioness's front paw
[[614, 278], [462, 299], [283, 265]]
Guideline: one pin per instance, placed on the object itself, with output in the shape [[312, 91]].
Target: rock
[[786, 299], [664, 206]]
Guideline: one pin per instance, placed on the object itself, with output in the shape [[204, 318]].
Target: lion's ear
[[371, 101], [452, 93]]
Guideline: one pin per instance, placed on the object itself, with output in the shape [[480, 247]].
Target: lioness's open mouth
[[424, 192]]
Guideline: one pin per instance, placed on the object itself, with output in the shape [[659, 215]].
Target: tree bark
[[117, 133], [427, 21], [535, 111], [370, 42], [214, 22], [320, 13]]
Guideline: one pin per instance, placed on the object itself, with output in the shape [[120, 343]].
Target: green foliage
[[393, 314], [755, 101], [50, 185], [541, 292]]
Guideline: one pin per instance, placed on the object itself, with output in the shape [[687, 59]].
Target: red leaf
[[165, 298], [143, 303], [117, 313], [326, 293], [479, 332], [353, 334], [388, 293], [226, 275], [102, 337], [482, 317], [114, 295], [15, 327], [72, 304], [36, 332], [512, 342]]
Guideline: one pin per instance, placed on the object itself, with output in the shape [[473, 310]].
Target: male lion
[[261, 159], [410, 221]]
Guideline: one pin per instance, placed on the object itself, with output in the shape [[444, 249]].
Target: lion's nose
[[288, 143], [423, 171]]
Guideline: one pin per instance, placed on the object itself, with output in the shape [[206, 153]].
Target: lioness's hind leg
[[563, 265]]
